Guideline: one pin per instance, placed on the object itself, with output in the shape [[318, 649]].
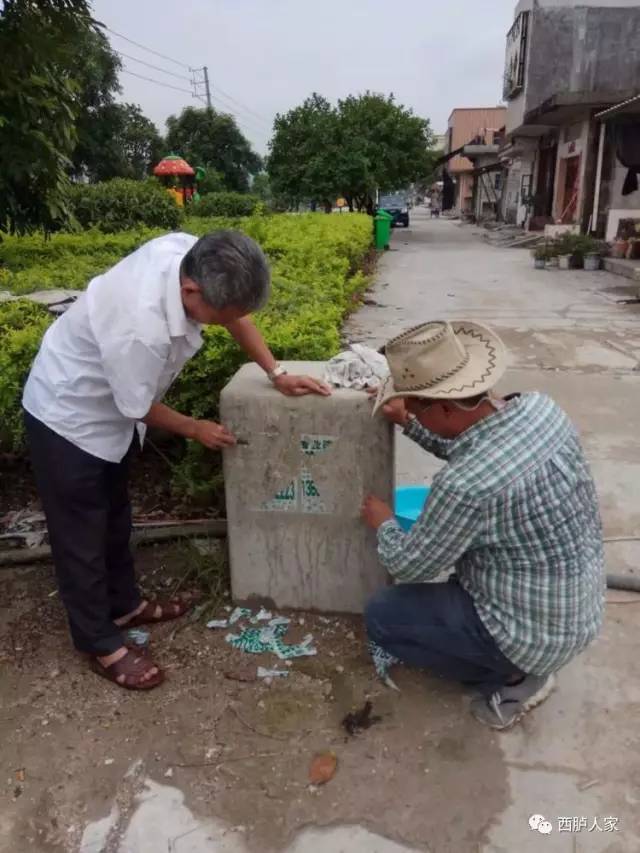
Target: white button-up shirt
[[116, 351]]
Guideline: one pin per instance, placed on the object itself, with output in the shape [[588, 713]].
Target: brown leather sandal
[[169, 609], [133, 667]]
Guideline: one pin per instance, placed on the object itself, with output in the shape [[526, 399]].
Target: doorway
[[569, 185], [543, 199]]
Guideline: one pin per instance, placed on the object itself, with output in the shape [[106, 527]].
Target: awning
[[470, 150], [631, 105], [569, 107], [490, 167], [446, 157]]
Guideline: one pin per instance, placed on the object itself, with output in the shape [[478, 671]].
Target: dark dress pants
[[86, 503]]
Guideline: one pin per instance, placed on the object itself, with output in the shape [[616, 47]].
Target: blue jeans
[[436, 626]]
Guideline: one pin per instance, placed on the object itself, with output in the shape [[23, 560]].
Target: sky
[[267, 56]]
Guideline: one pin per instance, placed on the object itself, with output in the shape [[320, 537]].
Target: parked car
[[397, 205]]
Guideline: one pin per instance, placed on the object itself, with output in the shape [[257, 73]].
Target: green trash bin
[[382, 229]]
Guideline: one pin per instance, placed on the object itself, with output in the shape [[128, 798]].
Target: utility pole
[[200, 78], [207, 90]]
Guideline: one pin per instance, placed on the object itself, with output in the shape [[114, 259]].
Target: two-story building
[[571, 69], [466, 126]]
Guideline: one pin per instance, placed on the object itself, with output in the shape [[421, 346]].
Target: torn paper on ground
[[263, 672], [270, 639]]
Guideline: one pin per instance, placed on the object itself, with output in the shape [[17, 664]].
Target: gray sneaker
[[510, 703]]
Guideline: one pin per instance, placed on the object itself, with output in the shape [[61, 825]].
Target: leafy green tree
[[58, 116], [387, 146], [38, 109], [213, 182], [114, 140], [95, 67], [261, 187], [305, 154], [211, 139], [140, 143], [367, 142]]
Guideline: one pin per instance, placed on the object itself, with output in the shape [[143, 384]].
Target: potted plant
[[564, 260], [553, 260], [592, 251], [592, 261], [633, 249], [619, 248], [540, 257]]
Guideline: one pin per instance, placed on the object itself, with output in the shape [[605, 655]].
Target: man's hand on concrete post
[[213, 435], [396, 412], [298, 386], [375, 512]]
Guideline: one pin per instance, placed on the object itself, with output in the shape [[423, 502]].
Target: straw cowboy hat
[[442, 361]]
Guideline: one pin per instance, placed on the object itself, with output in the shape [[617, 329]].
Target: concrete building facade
[[466, 125], [566, 62]]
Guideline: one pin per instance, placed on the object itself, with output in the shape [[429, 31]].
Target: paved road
[[568, 336], [565, 332]]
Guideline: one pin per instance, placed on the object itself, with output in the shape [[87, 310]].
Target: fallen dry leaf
[[20, 775], [242, 673], [323, 768]]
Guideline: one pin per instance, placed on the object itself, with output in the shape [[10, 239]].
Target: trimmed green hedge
[[225, 204], [22, 325], [64, 260], [316, 264], [122, 203]]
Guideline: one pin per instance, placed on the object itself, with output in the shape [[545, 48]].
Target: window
[[515, 58]]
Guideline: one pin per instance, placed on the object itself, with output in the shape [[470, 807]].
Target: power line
[[148, 49], [186, 91], [240, 104], [155, 67], [208, 97], [158, 82], [226, 109], [245, 110], [224, 94]]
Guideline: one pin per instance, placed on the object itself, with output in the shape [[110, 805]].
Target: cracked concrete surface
[[211, 765], [567, 336]]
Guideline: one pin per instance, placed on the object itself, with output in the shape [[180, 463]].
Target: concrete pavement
[[566, 336]]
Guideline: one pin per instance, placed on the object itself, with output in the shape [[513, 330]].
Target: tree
[[114, 140], [141, 145], [58, 116], [95, 69], [368, 142], [38, 108], [211, 139], [387, 145], [212, 182], [261, 188], [126, 144], [305, 153]]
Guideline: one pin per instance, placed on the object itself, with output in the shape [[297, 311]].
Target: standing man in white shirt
[[102, 368]]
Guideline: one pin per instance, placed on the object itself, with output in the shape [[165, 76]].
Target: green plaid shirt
[[515, 512]]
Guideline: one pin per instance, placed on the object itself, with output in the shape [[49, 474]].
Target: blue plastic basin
[[410, 501]]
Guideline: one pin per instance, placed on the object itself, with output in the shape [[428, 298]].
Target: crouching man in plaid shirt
[[514, 512]]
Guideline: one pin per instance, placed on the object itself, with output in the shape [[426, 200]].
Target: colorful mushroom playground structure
[[179, 178]]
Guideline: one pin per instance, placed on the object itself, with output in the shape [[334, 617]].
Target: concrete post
[[294, 492]]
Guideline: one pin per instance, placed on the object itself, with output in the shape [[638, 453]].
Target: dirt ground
[[241, 748]]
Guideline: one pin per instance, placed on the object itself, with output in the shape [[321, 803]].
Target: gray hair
[[230, 269]]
